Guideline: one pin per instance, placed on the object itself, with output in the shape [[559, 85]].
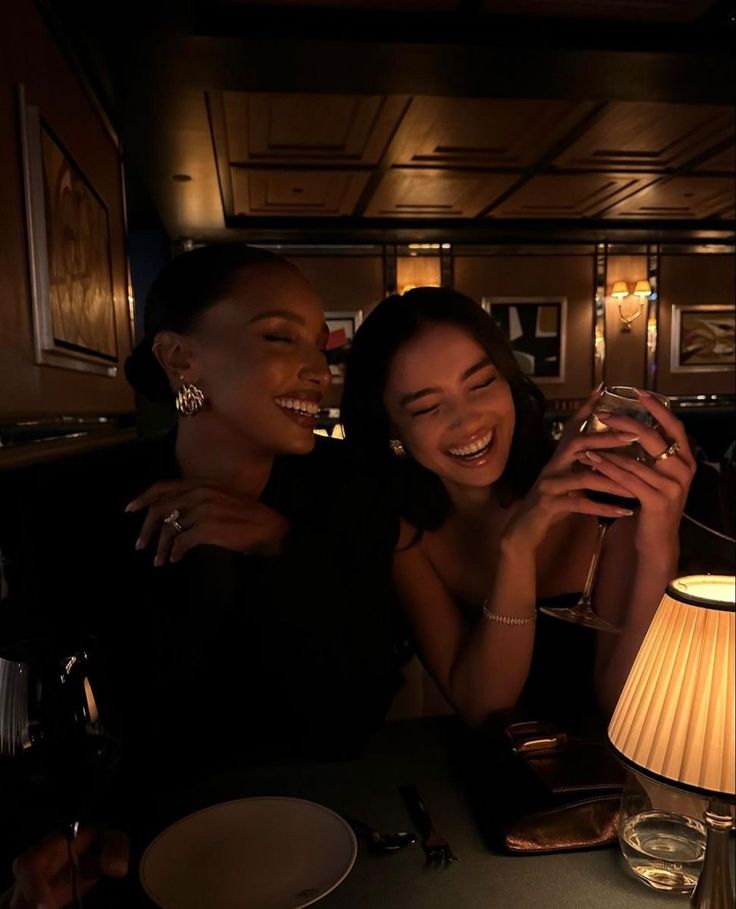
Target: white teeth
[[467, 450], [306, 408]]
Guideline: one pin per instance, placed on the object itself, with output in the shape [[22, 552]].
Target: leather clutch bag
[[536, 789]]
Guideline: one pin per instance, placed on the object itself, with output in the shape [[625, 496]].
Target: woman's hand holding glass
[[640, 470], [560, 490], [182, 514], [661, 485]]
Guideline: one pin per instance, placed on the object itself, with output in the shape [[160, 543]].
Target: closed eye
[[489, 381], [419, 413]]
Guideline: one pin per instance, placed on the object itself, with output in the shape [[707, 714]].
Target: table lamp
[[674, 724]]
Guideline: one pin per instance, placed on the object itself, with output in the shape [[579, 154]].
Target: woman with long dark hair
[[494, 517]]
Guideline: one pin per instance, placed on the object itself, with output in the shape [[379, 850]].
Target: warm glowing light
[[711, 588], [620, 290], [676, 716]]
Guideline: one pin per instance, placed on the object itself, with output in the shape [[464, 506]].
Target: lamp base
[[714, 889]]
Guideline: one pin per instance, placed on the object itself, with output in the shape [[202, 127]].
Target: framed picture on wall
[[702, 337], [69, 254], [342, 324], [536, 327]]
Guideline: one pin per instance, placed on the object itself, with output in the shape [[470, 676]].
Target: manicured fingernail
[[624, 512], [643, 394], [158, 562], [629, 437], [174, 559], [132, 506], [139, 544], [592, 456]]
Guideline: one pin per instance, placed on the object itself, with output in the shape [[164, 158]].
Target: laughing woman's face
[[450, 406], [259, 359]]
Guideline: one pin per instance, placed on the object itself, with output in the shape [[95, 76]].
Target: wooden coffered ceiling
[[342, 119], [419, 157]]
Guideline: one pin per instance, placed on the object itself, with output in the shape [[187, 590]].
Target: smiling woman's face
[[450, 406], [258, 356]]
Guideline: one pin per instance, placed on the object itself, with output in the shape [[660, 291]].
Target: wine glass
[[52, 739], [620, 400]]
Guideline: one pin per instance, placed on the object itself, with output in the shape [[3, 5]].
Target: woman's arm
[[480, 669], [484, 669], [641, 558], [639, 599], [205, 514]]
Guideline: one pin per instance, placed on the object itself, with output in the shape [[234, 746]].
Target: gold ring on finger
[[173, 520], [668, 452]]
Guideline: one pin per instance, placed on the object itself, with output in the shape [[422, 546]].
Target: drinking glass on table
[[53, 744], [620, 400]]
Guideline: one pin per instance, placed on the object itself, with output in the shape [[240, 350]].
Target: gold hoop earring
[[189, 400], [397, 448]]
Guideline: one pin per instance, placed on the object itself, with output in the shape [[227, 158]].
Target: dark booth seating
[[708, 530], [40, 502]]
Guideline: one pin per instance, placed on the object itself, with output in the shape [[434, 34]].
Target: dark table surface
[[416, 751]]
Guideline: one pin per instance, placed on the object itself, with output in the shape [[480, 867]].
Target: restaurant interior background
[[526, 152], [530, 154]]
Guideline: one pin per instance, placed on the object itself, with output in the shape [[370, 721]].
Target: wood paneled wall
[[693, 279], [344, 282], [356, 282], [30, 56], [570, 276]]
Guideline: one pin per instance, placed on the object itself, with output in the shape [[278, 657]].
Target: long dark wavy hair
[[421, 496]]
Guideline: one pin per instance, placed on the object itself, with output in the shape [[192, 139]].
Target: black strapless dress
[[560, 686]]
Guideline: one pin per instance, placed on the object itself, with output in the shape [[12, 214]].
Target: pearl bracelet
[[507, 619]]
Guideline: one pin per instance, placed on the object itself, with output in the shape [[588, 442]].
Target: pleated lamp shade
[[676, 717]]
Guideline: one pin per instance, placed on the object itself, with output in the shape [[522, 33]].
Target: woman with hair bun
[[247, 616], [233, 336]]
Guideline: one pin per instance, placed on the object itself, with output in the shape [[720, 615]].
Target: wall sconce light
[[620, 291]]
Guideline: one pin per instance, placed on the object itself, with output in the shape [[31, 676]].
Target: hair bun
[[145, 374]]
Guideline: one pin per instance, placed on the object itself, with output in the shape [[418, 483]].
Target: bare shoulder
[[409, 536]]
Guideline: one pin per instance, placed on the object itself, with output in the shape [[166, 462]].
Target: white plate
[[259, 853]]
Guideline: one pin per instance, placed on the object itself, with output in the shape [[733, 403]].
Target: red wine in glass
[[624, 401], [607, 498]]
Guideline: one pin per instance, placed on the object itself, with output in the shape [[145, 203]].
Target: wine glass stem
[[71, 830], [585, 603]]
